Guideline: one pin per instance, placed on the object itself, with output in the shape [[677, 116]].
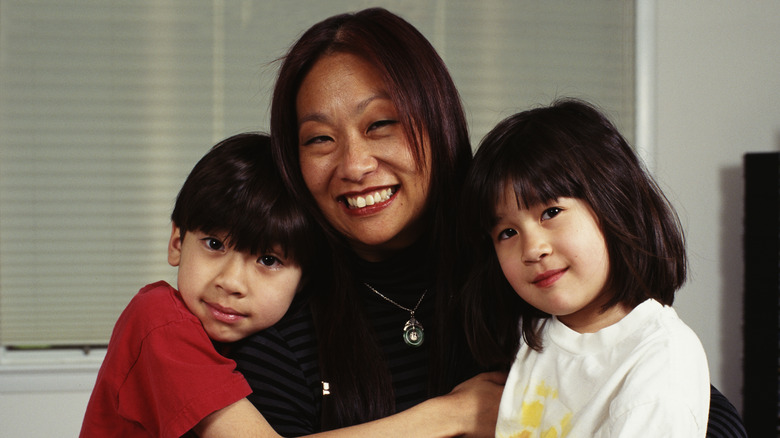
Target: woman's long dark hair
[[569, 149], [423, 92]]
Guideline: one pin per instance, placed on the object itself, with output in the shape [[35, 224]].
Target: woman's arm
[[238, 420], [470, 409]]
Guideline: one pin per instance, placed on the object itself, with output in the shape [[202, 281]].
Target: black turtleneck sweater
[[281, 363]]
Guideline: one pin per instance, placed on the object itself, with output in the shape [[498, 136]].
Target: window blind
[[105, 106]]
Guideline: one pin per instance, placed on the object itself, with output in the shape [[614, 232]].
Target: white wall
[[40, 415], [45, 394], [717, 97]]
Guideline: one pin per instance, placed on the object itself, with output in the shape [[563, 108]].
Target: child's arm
[[470, 409]]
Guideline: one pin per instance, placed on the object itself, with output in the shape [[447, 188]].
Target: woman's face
[[356, 159]]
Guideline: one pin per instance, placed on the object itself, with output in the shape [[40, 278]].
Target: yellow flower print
[[540, 415]]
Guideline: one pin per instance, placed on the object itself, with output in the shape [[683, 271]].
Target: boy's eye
[[506, 234], [213, 243], [550, 213], [269, 260]]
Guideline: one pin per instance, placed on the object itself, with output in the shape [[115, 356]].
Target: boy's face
[[233, 294]]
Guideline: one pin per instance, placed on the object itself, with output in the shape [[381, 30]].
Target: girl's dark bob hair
[[235, 189], [569, 149]]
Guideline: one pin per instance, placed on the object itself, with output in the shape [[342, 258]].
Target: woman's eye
[[317, 140], [506, 234], [551, 213], [381, 123], [213, 243], [269, 261]]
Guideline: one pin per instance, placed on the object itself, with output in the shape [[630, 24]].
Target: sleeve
[[280, 364], [177, 380], [664, 418]]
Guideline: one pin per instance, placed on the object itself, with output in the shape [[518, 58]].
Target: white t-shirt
[[645, 376]]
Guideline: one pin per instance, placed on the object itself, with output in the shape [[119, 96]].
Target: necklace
[[413, 330]]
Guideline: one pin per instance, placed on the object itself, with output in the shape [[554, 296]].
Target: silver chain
[[396, 304]]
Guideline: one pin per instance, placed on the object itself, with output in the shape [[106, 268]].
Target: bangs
[[236, 190], [539, 167], [266, 225]]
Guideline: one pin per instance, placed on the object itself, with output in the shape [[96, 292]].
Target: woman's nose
[[358, 159]]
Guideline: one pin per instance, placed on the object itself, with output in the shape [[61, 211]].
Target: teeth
[[370, 199]]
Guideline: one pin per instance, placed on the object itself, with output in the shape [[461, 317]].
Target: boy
[[240, 244]]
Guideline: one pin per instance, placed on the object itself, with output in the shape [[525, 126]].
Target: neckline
[[408, 272]]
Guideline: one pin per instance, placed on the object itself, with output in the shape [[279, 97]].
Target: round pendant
[[413, 333]]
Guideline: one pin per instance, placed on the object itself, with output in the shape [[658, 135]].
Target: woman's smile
[[374, 197], [356, 158]]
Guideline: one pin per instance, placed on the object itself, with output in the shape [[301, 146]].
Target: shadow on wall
[[732, 268]]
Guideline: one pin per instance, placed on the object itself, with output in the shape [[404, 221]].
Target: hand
[[475, 403]]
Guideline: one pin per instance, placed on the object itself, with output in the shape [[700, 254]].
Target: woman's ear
[[174, 246]]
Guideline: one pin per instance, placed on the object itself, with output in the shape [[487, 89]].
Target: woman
[[370, 134]]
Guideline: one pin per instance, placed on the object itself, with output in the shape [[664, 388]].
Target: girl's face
[[555, 257], [356, 159]]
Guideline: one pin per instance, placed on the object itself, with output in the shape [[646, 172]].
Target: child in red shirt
[[240, 244]]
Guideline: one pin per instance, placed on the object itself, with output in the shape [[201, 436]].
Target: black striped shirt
[[281, 363]]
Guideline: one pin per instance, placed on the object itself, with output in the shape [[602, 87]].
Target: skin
[[352, 147], [555, 257], [234, 294]]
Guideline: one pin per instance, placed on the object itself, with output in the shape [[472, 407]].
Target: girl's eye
[[213, 243], [506, 234], [551, 213], [269, 261]]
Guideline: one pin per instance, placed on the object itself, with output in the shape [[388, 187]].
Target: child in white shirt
[[562, 213]]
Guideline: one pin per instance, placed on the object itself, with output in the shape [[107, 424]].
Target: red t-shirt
[[161, 374]]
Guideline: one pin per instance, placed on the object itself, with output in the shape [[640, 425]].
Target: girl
[[560, 204]]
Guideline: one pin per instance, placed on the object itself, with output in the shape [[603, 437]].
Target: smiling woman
[[356, 160], [364, 106]]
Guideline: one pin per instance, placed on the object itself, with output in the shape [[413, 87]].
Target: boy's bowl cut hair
[[236, 189]]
